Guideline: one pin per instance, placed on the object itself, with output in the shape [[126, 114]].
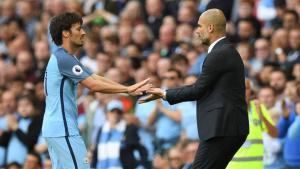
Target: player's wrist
[[164, 94]]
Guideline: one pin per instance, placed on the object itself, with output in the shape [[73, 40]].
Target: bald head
[[211, 26], [216, 18]]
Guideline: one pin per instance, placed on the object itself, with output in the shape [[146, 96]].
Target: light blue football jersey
[[62, 76]]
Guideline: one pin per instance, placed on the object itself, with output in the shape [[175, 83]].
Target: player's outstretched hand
[[139, 88], [154, 93]]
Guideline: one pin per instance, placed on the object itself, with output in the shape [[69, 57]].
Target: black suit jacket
[[220, 94]]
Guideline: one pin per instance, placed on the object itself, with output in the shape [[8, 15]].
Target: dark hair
[[175, 58], [268, 87], [113, 39], [179, 75], [33, 100], [62, 23], [13, 164], [292, 12], [37, 156], [30, 98], [279, 3]]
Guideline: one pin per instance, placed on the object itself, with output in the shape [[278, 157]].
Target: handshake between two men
[[145, 87]]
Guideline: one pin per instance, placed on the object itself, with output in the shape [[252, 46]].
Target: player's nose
[[83, 32]]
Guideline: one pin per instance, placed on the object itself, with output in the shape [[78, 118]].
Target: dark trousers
[[217, 152]]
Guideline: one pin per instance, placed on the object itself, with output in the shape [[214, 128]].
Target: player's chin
[[80, 44]]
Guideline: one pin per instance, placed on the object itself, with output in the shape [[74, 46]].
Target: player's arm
[[71, 68], [101, 84]]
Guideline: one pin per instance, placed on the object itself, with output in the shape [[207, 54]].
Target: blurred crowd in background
[[128, 41]]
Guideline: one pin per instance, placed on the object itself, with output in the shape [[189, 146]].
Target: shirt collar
[[213, 44]]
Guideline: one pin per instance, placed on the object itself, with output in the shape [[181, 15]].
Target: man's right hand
[[139, 88], [154, 93]]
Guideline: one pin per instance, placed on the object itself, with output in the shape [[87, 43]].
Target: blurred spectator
[[266, 95], [263, 77], [290, 19], [143, 38], [245, 11], [41, 56], [280, 6], [296, 72], [33, 161], [25, 66], [180, 63], [124, 34], [163, 65], [152, 62], [9, 102], [160, 162], [8, 9], [290, 58], [154, 9], [25, 11], [23, 130], [111, 46], [117, 141], [142, 112], [187, 14], [250, 155], [124, 65], [91, 47], [167, 40], [165, 117], [175, 158], [245, 31], [272, 145], [289, 127], [188, 115], [13, 165], [246, 52], [278, 81], [280, 41], [104, 62], [262, 54], [189, 150], [184, 33]]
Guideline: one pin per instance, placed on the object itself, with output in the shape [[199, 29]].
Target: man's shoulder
[[61, 54]]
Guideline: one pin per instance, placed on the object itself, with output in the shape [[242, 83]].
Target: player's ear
[[66, 34]]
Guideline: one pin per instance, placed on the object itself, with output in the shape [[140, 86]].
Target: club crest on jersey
[[77, 70]]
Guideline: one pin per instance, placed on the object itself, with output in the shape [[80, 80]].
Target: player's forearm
[[107, 86], [106, 80]]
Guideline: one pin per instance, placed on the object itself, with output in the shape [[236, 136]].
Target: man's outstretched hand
[[139, 88], [154, 93]]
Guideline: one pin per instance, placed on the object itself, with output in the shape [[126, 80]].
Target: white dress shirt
[[214, 43]]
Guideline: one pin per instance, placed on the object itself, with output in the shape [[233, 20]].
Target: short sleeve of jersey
[[70, 67]]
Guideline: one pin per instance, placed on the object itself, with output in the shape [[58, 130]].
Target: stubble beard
[[205, 41]]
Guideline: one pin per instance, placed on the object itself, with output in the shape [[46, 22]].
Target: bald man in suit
[[222, 118]]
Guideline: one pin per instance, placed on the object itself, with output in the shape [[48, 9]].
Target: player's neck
[[71, 49]]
